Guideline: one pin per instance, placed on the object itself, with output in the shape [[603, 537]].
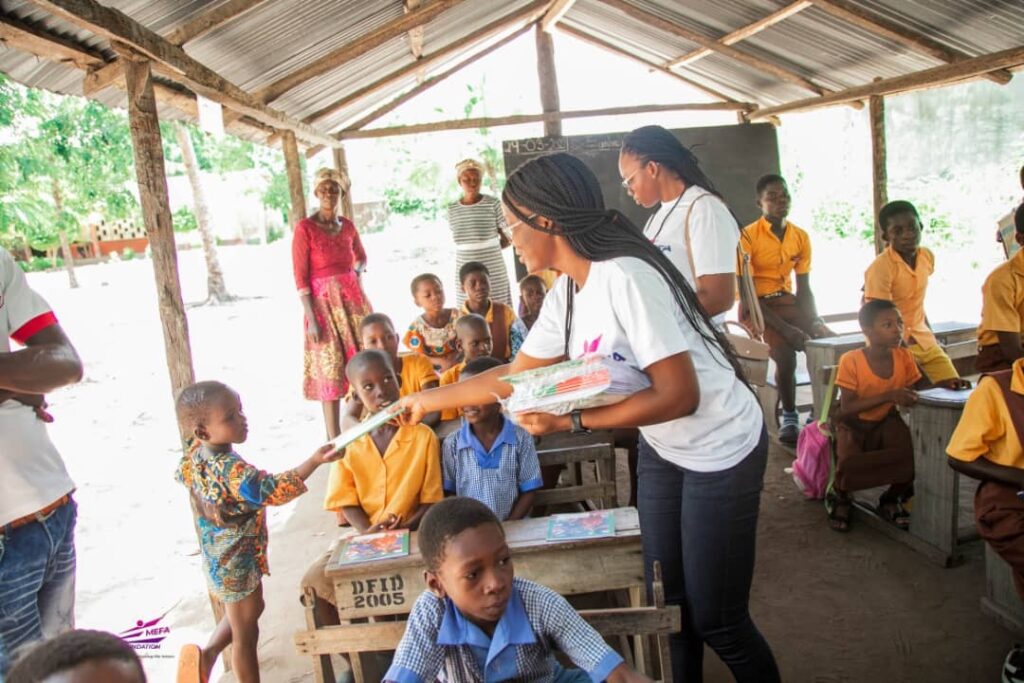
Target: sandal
[[838, 508], [190, 668], [892, 511]]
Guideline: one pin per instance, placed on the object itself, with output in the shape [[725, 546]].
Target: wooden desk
[[1001, 601]]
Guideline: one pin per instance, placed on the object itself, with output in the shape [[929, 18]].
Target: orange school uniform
[[856, 375], [773, 261], [1002, 308], [417, 370], [451, 376], [890, 278], [986, 429]]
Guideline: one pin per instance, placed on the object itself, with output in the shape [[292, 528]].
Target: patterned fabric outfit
[[433, 342], [323, 265], [475, 229], [228, 498]]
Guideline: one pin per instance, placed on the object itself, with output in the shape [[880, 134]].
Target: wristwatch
[[576, 417]]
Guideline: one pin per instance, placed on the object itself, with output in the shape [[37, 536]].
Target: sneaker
[[1013, 667], [788, 433]]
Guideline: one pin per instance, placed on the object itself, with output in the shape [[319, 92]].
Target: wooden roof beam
[[616, 50], [928, 78], [42, 43], [414, 35], [528, 14], [743, 33], [120, 28], [355, 48], [556, 10], [858, 16]]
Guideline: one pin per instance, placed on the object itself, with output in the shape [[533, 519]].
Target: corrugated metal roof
[[277, 37]]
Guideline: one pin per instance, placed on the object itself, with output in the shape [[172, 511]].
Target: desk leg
[[644, 663], [817, 358], [323, 670], [934, 518]]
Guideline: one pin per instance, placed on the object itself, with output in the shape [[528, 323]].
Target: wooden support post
[[156, 214], [291, 162], [341, 164], [548, 81], [879, 175]]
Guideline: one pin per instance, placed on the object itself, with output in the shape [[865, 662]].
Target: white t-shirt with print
[[32, 474], [714, 235], [626, 311]]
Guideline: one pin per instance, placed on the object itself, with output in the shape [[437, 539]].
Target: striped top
[[478, 222]]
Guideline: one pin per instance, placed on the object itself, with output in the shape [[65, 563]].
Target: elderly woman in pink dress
[[328, 259]]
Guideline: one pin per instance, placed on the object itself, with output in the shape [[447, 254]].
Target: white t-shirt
[[626, 311], [714, 234], [32, 474]]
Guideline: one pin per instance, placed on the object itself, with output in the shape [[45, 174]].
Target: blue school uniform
[[440, 640], [495, 477]]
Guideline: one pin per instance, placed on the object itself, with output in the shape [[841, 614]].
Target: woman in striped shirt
[[478, 228]]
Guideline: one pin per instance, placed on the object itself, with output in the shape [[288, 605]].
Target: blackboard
[[733, 157]]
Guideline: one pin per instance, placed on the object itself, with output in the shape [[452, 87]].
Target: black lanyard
[[665, 219]]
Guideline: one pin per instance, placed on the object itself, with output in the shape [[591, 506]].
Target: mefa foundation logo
[[146, 635]]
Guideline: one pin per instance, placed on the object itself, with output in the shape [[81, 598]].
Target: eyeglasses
[[628, 179], [512, 226]]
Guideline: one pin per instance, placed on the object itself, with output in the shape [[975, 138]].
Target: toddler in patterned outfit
[[228, 498], [477, 622]]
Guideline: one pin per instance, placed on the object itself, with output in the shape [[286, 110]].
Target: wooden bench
[[587, 456]]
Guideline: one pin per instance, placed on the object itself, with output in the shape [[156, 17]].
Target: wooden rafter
[[928, 78], [122, 29], [42, 43], [556, 11], [743, 33], [616, 50], [355, 48], [415, 35], [851, 13], [527, 14], [517, 119]]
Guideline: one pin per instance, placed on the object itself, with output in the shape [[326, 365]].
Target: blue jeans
[[702, 527], [37, 581]]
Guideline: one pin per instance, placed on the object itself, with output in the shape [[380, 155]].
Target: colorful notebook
[[596, 524], [385, 545]]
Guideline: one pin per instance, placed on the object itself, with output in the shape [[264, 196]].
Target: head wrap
[[467, 165], [333, 175]]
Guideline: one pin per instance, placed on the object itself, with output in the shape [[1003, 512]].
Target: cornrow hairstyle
[[766, 180], [472, 267], [657, 144], [561, 188], [895, 208], [869, 311], [446, 520], [424, 277], [480, 365], [194, 401], [375, 319], [67, 651]]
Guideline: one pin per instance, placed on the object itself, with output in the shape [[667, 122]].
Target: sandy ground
[[835, 608]]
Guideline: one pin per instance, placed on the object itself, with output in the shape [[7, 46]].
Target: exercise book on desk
[[385, 545], [571, 527]]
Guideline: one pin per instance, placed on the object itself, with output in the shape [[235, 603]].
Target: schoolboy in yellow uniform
[[1002, 309], [474, 341]]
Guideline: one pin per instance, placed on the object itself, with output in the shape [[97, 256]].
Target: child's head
[[79, 657], [473, 336], [212, 413], [377, 332], [428, 292], [480, 413], [373, 379], [773, 196], [467, 559], [476, 282], [532, 291], [901, 226], [881, 323]]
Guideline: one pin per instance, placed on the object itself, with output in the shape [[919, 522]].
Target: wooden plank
[[566, 456], [879, 174], [341, 164], [899, 33], [927, 78], [414, 35], [556, 11], [126, 33], [548, 79], [355, 48], [297, 210], [36, 40], [156, 214], [517, 119], [525, 14], [576, 494], [206, 21], [743, 33]]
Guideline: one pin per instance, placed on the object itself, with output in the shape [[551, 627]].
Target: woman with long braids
[[703, 448], [658, 170]]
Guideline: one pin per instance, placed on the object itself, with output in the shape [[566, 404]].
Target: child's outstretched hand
[[327, 453], [904, 397], [956, 383]]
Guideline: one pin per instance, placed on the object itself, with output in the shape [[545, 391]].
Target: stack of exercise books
[[385, 545], [585, 382]]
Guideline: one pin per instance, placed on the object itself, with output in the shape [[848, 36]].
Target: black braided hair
[[562, 189], [657, 144]]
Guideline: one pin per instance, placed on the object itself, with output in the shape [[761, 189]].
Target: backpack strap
[[686, 236]]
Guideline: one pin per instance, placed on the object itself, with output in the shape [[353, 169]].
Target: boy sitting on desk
[[489, 458], [387, 478], [477, 622]]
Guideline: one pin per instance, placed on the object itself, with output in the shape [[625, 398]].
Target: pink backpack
[[813, 466]]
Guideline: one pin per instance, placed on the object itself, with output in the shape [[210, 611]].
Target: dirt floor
[[835, 608]]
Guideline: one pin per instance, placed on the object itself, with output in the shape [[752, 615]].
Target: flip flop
[[190, 665]]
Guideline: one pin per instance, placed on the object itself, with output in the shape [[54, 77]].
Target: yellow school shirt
[[451, 376], [417, 370], [409, 474], [510, 318], [1002, 301], [890, 278], [985, 429], [773, 261]]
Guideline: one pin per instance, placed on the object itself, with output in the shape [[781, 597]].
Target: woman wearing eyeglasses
[[657, 170]]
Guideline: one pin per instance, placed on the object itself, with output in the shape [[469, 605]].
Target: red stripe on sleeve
[[33, 326]]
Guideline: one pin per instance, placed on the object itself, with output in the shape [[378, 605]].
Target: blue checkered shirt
[[497, 477], [439, 641]]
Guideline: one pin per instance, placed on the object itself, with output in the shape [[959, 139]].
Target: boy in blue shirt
[[477, 622], [490, 458]]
